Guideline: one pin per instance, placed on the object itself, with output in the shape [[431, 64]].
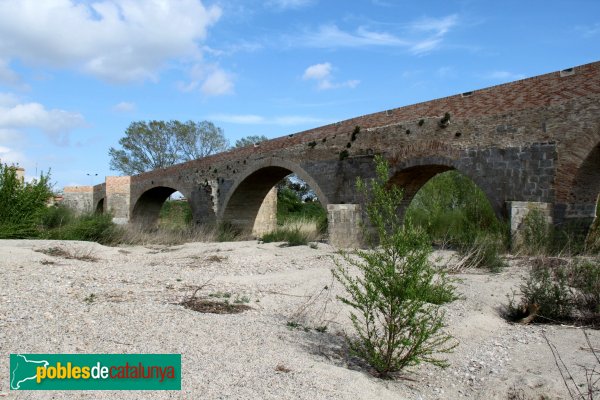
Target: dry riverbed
[[127, 300]]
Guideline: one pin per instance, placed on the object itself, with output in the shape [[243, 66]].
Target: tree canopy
[[250, 140], [158, 144]]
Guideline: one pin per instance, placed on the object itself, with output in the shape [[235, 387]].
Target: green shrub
[[21, 203], [56, 217], [560, 291], [536, 234], [89, 227], [539, 237], [293, 237], [396, 295]]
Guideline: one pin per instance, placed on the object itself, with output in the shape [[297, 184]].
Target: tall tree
[[158, 144], [250, 140]]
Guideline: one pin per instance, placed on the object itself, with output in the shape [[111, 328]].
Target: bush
[[560, 291], [56, 217], [89, 227], [484, 252], [21, 203], [396, 295], [539, 237], [536, 234]]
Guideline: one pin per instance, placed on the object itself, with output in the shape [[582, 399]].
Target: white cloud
[[217, 83], [8, 100], [116, 40], [210, 79], [288, 4], [252, 119], [124, 107], [55, 123], [322, 74], [11, 157], [420, 36], [328, 36], [317, 71]]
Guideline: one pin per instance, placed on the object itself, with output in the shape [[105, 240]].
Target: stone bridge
[[533, 143]]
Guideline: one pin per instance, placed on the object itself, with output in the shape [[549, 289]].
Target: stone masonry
[[533, 140]]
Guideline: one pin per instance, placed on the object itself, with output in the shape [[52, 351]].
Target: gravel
[[128, 301]]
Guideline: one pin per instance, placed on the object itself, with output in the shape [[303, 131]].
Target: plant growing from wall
[[393, 290], [445, 121]]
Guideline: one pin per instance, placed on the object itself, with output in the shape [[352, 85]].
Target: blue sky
[[75, 74]]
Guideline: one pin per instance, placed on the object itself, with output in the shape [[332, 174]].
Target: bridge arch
[[147, 206], [242, 204], [415, 173]]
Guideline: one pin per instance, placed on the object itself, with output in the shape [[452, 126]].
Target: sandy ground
[[45, 307]]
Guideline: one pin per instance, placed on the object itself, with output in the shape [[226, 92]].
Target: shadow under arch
[[148, 205], [242, 204], [99, 209], [585, 191]]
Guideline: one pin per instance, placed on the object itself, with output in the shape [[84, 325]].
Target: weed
[[90, 298], [292, 324], [221, 295], [241, 300], [321, 329]]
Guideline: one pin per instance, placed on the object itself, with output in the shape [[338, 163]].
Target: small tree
[[249, 140], [159, 144], [397, 293]]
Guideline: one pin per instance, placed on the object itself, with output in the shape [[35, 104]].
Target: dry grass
[[75, 254], [215, 307], [282, 368], [307, 227], [136, 235]]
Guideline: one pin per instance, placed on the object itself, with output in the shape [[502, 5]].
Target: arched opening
[[586, 200], [449, 206], [147, 209], [175, 212], [100, 206], [269, 197], [586, 187]]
